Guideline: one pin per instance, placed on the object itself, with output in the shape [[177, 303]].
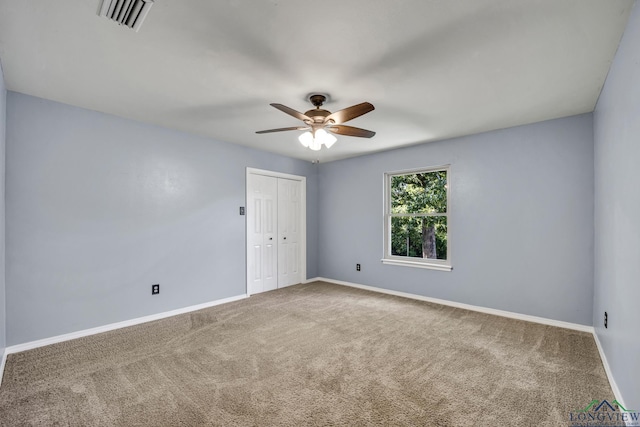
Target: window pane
[[419, 237], [419, 193]]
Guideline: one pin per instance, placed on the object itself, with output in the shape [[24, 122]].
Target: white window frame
[[433, 264]]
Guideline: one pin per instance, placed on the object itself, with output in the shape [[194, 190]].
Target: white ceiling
[[433, 69]]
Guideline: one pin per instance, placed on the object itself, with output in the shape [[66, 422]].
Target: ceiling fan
[[318, 121]]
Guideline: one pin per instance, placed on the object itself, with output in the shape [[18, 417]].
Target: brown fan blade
[[290, 111], [350, 113], [351, 131], [283, 129]]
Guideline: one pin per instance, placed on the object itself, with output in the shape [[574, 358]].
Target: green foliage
[[423, 194]]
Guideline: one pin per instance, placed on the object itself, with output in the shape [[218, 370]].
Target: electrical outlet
[[606, 319], [155, 289], [357, 267]]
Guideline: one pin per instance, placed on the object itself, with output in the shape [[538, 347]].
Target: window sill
[[430, 266]]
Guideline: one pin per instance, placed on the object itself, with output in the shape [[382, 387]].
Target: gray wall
[[521, 220], [99, 208], [617, 204], [3, 304]]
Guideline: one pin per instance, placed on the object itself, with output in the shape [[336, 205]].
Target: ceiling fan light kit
[[318, 121], [315, 142]]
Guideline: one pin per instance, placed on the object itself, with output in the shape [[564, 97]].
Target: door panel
[[262, 215], [288, 226], [257, 265]]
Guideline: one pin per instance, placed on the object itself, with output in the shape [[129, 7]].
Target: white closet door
[[289, 192], [262, 223]]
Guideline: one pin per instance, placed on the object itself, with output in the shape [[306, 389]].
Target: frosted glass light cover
[[306, 139], [315, 144], [330, 140]]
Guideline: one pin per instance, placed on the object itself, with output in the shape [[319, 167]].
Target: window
[[416, 218]]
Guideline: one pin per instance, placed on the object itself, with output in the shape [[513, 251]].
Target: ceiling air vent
[[126, 12]]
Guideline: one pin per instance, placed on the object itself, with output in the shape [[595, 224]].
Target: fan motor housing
[[318, 114]]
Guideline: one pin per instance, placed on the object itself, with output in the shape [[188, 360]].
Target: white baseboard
[[509, 314], [2, 363], [139, 320], [607, 369], [110, 327]]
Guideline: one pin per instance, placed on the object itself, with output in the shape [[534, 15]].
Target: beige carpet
[[316, 354]]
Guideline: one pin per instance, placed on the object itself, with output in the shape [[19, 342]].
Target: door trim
[[303, 220]]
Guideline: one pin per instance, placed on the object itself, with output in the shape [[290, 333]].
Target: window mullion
[[417, 215]]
